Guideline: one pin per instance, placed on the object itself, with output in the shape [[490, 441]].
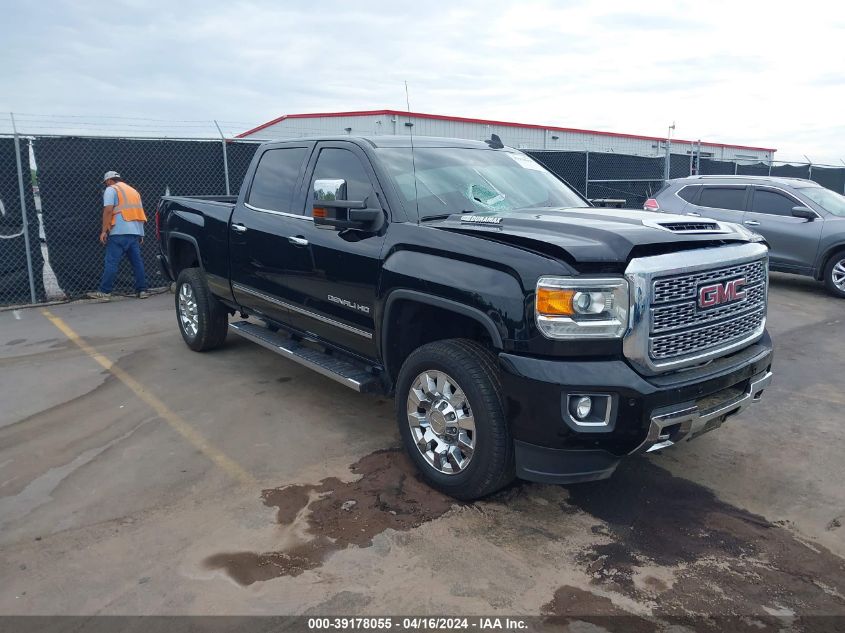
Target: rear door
[[721, 202], [793, 242], [674, 200], [261, 252], [335, 282]]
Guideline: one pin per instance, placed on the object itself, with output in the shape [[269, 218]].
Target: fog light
[[583, 407]]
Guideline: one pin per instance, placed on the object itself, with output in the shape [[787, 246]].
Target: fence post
[[225, 157], [23, 209], [586, 172]]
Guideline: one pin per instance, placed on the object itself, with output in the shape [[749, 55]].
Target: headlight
[[578, 307]]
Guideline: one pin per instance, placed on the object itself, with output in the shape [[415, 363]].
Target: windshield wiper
[[442, 216]]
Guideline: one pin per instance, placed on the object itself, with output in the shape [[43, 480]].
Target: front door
[[793, 242], [336, 286], [261, 254]]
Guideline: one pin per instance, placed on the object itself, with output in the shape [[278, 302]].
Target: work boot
[[99, 296], [142, 294]]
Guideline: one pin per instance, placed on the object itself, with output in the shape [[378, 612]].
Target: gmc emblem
[[713, 295]]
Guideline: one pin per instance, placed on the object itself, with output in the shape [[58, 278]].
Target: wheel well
[[833, 251], [411, 324], [183, 254]]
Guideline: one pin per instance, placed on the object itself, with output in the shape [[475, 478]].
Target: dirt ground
[[138, 477]]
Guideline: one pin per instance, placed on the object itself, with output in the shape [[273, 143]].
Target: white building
[[519, 135]]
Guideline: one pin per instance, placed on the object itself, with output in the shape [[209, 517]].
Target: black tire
[[212, 319], [832, 288], [474, 367]]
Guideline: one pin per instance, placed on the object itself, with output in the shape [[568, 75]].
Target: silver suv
[[803, 223]]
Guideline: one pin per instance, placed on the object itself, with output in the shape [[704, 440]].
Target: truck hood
[[594, 235]]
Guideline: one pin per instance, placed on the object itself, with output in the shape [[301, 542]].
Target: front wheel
[[203, 320], [834, 275], [451, 418]]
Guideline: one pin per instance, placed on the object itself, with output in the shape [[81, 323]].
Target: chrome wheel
[[837, 275], [188, 313], [441, 421]]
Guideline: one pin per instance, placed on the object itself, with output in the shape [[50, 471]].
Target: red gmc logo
[[717, 294]]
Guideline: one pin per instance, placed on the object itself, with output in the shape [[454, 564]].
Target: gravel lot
[[138, 477]]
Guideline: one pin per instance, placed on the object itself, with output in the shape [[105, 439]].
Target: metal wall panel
[[514, 136]]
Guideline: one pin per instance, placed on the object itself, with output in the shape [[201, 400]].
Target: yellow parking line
[[174, 420]]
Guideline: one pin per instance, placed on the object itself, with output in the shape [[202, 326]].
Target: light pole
[[668, 151]]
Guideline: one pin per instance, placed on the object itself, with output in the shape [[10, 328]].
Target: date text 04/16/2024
[[417, 623]]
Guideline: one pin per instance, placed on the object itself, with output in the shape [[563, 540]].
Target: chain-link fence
[[63, 191], [51, 196], [630, 180]]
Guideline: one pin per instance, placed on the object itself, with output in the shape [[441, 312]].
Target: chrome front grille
[[670, 330], [686, 314], [679, 327], [704, 338], [685, 286]]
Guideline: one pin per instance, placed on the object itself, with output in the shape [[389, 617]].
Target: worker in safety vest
[[122, 234]]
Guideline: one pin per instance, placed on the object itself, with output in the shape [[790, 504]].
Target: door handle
[[239, 228], [751, 223], [298, 241], [698, 215]]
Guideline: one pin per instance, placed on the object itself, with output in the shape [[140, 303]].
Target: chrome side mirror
[[329, 189]]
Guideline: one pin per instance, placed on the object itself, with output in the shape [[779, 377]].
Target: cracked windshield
[[465, 180]]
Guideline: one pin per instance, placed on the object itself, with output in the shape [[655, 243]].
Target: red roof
[[459, 119]]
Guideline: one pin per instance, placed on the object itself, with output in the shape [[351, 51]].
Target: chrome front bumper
[[670, 426]]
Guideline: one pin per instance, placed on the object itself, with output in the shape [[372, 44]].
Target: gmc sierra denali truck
[[522, 332]]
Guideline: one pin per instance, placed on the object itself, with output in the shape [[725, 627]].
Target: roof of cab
[[392, 141]]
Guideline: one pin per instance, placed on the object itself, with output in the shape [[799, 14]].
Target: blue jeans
[[116, 247]]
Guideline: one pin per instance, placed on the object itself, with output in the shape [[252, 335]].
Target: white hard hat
[[110, 174]]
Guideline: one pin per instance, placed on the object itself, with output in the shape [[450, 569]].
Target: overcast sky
[[754, 73]]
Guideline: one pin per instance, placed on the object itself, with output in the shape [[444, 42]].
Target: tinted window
[[275, 178], [688, 193], [773, 203], [723, 198], [342, 164]]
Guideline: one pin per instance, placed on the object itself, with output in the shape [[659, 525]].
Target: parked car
[[522, 331], [802, 222]]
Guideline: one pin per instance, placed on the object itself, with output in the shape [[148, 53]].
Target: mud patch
[[571, 604], [337, 514], [724, 560]]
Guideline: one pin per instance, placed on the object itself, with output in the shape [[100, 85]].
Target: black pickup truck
[[522, 331]]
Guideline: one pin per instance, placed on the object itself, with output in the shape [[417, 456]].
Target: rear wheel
[[203, 321], [834, 274], [451, 418]]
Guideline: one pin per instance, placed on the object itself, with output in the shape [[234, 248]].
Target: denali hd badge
[[713, 295], [349, 304], [481, 219]]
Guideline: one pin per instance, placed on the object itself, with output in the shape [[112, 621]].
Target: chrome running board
[[343, 371]]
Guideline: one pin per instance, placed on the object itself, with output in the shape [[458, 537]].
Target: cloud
[[724, 71]]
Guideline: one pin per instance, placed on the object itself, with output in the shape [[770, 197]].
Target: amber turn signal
[[555, 301]]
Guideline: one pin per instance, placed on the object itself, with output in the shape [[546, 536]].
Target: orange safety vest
[[128, 204]]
